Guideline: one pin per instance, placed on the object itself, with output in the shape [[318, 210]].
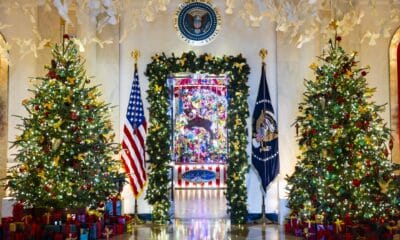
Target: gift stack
[[346, 229], [58, 225]]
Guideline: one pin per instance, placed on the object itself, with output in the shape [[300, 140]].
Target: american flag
[[133, 154]]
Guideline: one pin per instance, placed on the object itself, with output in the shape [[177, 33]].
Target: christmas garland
[[159, 132]]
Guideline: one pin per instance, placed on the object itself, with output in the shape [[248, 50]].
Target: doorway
[[199, 155]]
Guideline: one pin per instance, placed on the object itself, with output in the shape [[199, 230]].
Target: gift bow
[[338, 224]]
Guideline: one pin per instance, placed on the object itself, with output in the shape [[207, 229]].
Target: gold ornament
[[182, 61], [56, 160], [58, 124], [334, 25], [313, 66], [384, 186], [208, 57], [157, 88], [239, 65], [71, 80], [48, 105], [349, 73], [156, 57], [68, 99]]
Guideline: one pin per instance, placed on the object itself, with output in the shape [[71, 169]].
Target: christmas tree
[[65, 151], [343, 171]]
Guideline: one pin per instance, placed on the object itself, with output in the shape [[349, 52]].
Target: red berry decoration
[[74, 116], [90, 119], [66, 36], [356, 182], [330, 168], [363, 73], [37, 107], [338, 38]]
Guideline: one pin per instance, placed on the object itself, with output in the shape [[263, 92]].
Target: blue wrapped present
[[84, 234], [93, 232], [114, 207]]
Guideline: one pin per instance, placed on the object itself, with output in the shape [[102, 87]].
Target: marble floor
[[206, 229], [201, 214]]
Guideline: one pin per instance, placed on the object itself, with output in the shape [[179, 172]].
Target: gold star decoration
[[349, 73], [68, 99]]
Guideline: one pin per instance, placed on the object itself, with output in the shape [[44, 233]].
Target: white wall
[[287, 66]]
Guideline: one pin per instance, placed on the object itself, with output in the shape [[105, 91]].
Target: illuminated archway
[[394, 63]]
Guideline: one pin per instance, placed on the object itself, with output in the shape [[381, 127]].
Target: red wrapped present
[[348, 236], [46, 218], [18, 211], [27, 219], [119, 228], [288, 228], [58, 236], [19, 236]]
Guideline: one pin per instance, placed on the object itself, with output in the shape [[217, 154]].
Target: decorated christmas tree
[[343, 171], [65, 151]]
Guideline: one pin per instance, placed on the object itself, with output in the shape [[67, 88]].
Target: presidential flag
[[133, 139], [265, 154]]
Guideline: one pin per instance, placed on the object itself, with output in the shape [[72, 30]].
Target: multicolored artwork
[[200, 112]]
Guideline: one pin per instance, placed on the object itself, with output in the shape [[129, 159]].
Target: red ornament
[[330, 168], [37, 107], [363, 73], [87, 107], [336, 126], [90, 119], [336, 75], [386, 152], [47, 188], [356, 182], [313, 131], [359, 124], [46, 114], [52, 74], [74, 116], [368, 162], [338, 38], [66, 36]]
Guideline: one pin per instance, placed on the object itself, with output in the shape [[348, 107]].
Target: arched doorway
[[3, 110], [394, 63]]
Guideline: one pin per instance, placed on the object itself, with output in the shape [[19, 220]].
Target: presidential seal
[[197, 22]]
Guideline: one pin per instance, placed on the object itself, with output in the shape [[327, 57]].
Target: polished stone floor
[[206, 229], [200, 214]]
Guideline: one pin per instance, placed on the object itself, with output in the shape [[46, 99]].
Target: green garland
[[159, 132]]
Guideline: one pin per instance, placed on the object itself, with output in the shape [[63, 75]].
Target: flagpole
[[136, 220], [264, 220]]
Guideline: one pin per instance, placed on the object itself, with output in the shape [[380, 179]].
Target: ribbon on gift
[[47, 217], [319, 218], [27, 219], [13, 227], [107, 232], [338, 224]]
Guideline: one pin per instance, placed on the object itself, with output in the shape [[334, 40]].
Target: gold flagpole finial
[[263, 54], [135, 55]]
